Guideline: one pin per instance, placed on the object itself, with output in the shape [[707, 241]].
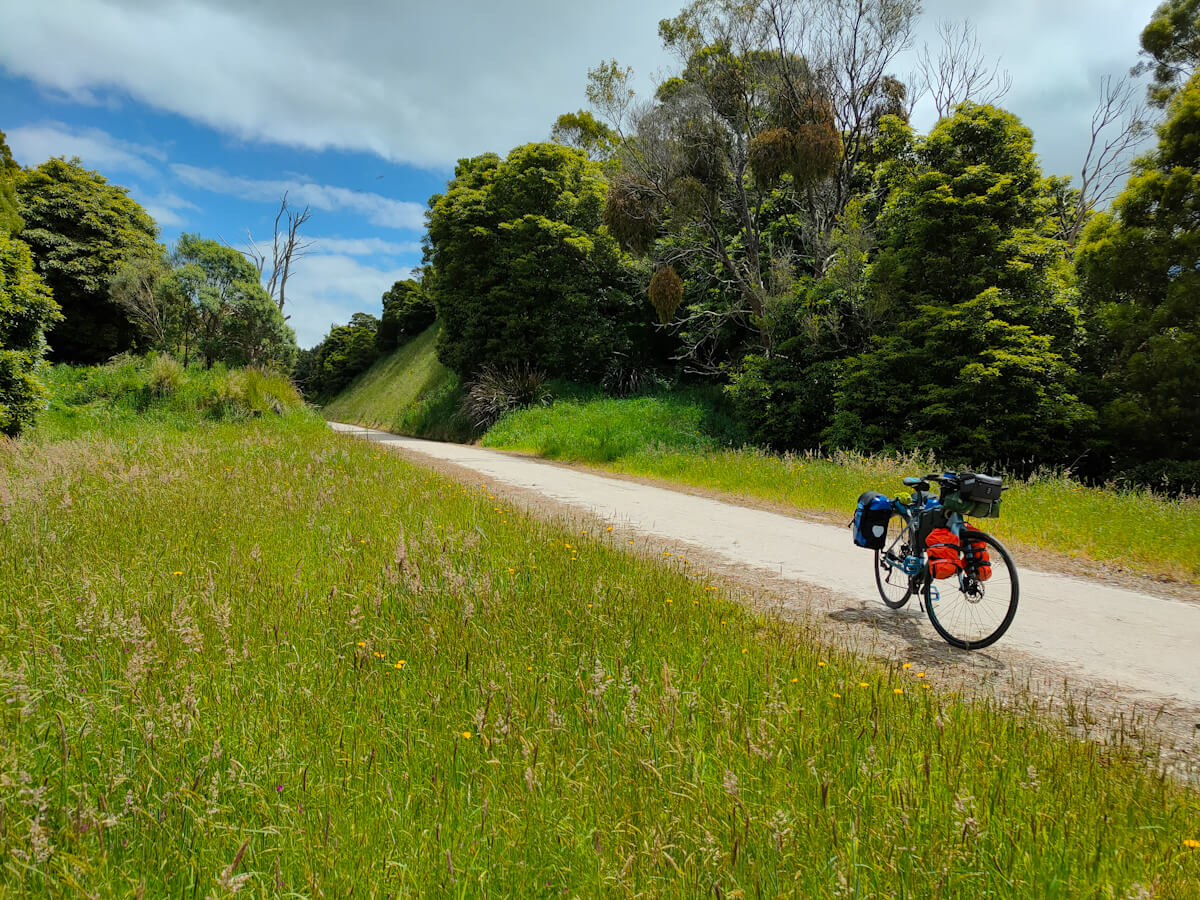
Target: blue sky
[[208, 110]]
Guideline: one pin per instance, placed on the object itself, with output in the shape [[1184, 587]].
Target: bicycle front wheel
[[971, 614], [895, 587]]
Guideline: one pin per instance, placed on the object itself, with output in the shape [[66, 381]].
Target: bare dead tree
[[959, 72], [136, 289], [1119, 125], [286, 248]]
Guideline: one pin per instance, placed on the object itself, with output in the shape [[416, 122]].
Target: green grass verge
[[682, 441], [258, 655], [406, 392]]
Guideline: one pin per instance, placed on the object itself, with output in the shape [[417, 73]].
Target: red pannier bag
[[941, 546], [976, 559]]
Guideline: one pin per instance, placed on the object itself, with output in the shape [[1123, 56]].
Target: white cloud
[[429, 83], [417, 83], [377, 209], [165, 207], [1057, 54], [32, 145], [326, 289], [365, 246]]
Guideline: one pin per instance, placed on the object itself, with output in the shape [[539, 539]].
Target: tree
[[1141, 284], [960, 71], [229, 317], [1118, 126], [749, 156], [142, 287], [80, 229], [520, 269], [10, 216], [345, 352], [1172, 42], [976, 356], [286, 248], [407, 311], [585, 132], [26, 310]]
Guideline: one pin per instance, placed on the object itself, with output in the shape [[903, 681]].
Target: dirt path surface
[[1127, 653]]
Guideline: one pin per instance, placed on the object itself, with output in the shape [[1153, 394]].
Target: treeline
[[849, 281], [83, 278]]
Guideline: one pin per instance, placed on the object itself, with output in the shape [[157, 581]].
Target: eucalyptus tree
[[739, 168]]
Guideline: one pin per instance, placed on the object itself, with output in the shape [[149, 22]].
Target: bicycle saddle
[[919, 483]]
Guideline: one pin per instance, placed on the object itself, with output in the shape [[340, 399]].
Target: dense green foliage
[[304, 666], [520, 268], [81, 229], [26, 310], [1142, 287], [344, 353], [10, 216], [227, 315], [1172, 42], [976, 361], [407, 311]]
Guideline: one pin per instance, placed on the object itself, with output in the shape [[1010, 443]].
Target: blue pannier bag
[[871, 520]]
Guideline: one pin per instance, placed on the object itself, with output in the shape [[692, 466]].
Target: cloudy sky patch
[[210, 110]]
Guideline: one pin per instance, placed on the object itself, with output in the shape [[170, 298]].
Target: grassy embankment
[[407, 392], [257, 654], [669, 437]]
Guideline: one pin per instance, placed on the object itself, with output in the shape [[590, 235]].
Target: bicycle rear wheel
[[895, 587], [971, 614]]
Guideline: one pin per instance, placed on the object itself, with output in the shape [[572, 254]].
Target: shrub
[[166, 374], [26, 310], [501, 389]]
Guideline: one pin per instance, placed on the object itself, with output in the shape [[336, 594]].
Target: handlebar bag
[[980, 488], [871, 520]]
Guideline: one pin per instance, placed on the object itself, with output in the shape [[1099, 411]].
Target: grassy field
[[256, 655], [681, 440], [407, 392]]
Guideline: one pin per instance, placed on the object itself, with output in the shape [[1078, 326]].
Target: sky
[[208, 111]]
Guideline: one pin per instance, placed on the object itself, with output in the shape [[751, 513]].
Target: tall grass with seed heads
[[257, 656]]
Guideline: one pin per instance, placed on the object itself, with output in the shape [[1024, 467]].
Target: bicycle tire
[[895, 587], [962, 613]]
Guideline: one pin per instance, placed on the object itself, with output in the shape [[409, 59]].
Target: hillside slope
[[406, 392]]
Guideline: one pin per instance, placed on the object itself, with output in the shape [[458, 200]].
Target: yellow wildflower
[[863, 684], [400, 663], [897, 690], [1191, 844], [466, 735], [907, 666]]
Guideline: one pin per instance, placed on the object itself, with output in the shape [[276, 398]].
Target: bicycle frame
[[908, 534]]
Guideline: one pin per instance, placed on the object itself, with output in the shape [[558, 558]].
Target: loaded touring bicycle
[[924, 546]]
